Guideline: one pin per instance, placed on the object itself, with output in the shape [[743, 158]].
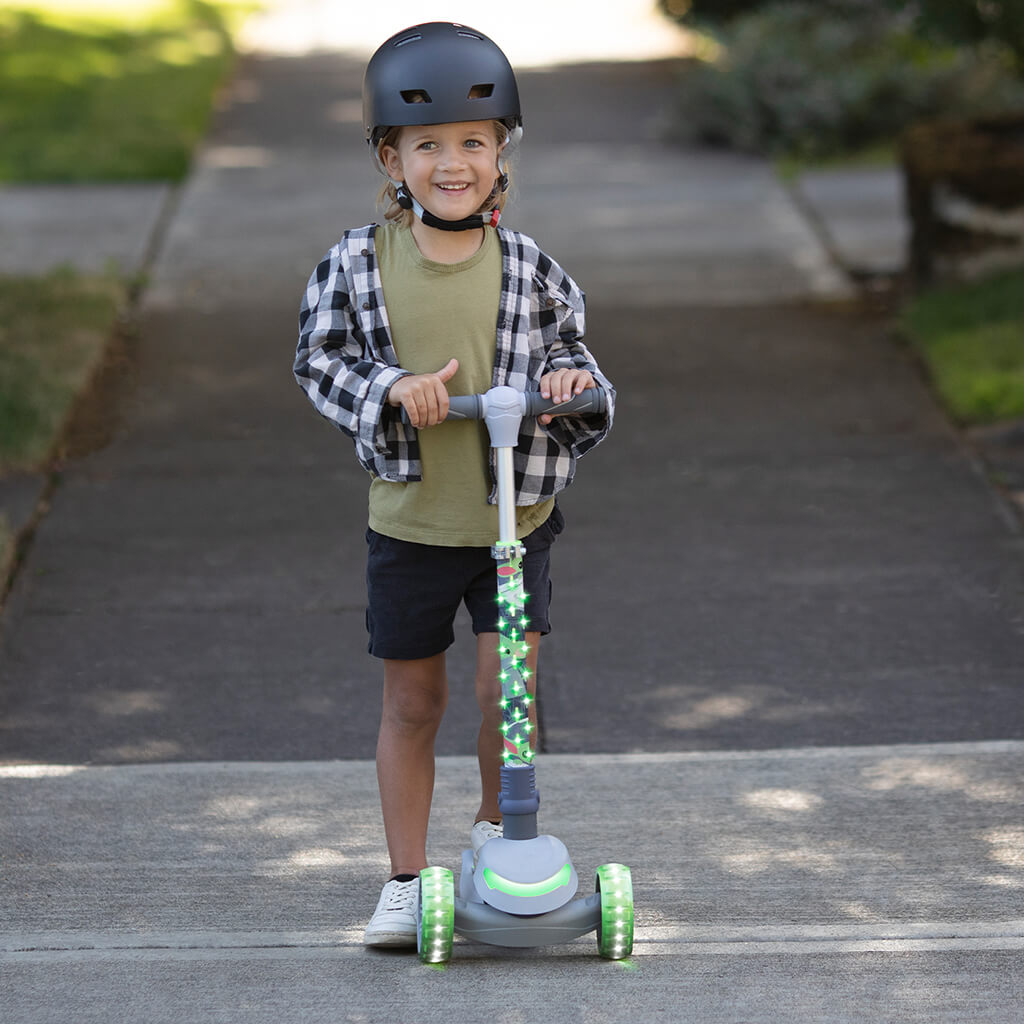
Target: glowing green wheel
[[436, 915], [615, 932]]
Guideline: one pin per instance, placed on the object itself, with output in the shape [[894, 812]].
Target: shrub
[[835, 76]]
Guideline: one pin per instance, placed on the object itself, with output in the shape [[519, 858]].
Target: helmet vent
[[481, 92], [416, 96], [415, 37], [466, 34]]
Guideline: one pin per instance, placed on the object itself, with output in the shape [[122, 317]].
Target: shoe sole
[[390, 940]]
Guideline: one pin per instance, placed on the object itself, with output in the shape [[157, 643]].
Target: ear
[[392, 163]]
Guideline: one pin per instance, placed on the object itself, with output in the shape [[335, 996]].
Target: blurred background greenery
[[818, 79], [120, 92]]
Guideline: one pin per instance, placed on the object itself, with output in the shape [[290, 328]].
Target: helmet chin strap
[[407, 201]]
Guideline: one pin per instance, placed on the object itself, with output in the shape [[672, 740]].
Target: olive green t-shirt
[[437, 311]]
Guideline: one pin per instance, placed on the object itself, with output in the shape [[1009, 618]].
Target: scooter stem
[[506, 497], [519, 799]]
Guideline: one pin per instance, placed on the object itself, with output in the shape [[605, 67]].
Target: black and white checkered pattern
[[346, 362]]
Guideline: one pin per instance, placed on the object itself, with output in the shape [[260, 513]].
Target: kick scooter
[[520, 890]]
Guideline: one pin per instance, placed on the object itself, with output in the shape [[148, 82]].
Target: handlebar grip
[[593, 400], [465, 407], [460, 407]]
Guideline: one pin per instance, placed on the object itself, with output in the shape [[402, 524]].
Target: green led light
[[506, 885]]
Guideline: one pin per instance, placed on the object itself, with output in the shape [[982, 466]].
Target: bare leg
[[415, 696], [488, 694]]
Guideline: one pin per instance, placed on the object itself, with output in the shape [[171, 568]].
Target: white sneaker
[[482, 832], [394, 921]]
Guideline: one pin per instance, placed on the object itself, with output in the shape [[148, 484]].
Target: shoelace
[[401, 896]]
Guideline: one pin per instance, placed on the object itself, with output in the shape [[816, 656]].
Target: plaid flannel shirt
[[346, 361]]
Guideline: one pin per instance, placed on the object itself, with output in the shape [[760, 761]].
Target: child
[[397, 318]]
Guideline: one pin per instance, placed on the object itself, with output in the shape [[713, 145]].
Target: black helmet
[[438, 73]]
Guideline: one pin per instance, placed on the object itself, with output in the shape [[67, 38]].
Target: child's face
[[450, 168]]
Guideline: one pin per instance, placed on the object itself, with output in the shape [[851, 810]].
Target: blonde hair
[[387, 197]]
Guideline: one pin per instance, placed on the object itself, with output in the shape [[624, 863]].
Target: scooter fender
[[525, 876]]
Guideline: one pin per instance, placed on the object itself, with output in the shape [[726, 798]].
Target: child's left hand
[[561, 385]]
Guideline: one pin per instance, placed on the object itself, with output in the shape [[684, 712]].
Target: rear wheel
[[615, 932], [436, 915]]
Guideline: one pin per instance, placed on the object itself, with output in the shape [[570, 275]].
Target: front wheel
[[615, 932], [436, 915]]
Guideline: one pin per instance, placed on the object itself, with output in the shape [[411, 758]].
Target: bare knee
[[415, 694]]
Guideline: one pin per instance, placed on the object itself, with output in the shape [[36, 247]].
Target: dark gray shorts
[[415, 590]]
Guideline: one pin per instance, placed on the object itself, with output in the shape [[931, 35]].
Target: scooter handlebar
[[474, 407]]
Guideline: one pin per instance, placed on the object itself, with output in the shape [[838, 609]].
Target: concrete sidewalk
[[783, 685], [812, 885]]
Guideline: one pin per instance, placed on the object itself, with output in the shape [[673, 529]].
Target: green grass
[[54, 332], [108, 96], [880, 154], [971, 337]]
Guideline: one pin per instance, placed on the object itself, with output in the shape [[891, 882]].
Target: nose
[[452, 156]]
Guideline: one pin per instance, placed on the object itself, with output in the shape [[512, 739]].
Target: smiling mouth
[[454, 188]]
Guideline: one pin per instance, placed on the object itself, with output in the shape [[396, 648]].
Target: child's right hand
[[424, 395]]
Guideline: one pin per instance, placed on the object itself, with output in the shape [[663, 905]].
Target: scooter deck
[[482, 923]]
